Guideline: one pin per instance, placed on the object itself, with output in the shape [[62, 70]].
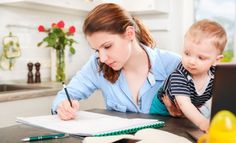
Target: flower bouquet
[[59, 38]]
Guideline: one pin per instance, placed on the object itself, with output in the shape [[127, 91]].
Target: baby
[[190, 85]]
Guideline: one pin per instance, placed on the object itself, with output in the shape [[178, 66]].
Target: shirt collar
[[182, 70], [156, 66]]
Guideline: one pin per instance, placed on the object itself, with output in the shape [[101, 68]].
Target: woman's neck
[[138, 59]]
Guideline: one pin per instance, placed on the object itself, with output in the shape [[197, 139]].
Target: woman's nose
[[102, 56]]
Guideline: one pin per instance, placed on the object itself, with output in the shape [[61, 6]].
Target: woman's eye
[[107, 47]]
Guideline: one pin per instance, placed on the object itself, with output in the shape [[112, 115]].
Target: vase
[[60, 65]]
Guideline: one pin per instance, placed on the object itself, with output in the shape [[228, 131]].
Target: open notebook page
[[86, 123]]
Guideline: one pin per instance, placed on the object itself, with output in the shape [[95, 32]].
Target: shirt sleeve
[[170, 60], [178, 84], [82, 85]]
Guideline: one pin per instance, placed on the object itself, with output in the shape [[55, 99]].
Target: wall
[[173, 25], [23, 23], [168, 30]]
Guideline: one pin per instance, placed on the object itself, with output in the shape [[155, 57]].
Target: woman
[[126, 67]]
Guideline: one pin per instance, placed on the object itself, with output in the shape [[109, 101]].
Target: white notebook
[[91, 124]]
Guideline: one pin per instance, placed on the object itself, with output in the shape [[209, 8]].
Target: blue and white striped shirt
[[181, 83]]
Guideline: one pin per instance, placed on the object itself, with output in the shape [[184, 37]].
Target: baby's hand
[[204, 125]]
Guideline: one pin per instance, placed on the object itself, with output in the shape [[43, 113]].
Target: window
[[224, 12]]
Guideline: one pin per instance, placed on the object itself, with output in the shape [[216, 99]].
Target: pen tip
[[25, 139], [63, 82]]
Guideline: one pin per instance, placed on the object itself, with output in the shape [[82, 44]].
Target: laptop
[[223, 93]]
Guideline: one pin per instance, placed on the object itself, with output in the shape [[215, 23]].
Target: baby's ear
[[218, 58]]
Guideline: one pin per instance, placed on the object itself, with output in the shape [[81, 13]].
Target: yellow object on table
[[222, 129]]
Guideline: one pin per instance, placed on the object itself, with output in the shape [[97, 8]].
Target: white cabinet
[[40, 106], [24, 108], [75, 7], [142, 7], [81, 7]]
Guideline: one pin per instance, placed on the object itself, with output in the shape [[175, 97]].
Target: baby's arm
[[191, 112]]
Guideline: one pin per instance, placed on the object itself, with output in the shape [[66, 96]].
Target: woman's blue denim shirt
[[117, 96]]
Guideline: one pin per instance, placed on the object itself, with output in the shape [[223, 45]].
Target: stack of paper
[[91, 124]]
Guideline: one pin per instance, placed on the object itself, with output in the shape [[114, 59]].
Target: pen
[[45, 137], [67, 94]]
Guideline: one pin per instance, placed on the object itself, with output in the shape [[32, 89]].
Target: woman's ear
[[130, 32]]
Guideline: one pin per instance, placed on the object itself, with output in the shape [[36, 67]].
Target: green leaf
[[39, 44], [51, 39], [72, 50]]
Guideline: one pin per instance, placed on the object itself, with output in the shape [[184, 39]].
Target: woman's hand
[[65, 111], [174, 110]]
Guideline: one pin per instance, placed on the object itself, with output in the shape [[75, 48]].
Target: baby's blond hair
[[208, 30]]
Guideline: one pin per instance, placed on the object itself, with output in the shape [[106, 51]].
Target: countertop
[[51, 88]]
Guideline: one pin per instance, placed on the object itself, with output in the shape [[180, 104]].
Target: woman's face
[[113, 49]]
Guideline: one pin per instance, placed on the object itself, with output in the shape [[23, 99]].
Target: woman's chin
[[116, 68]]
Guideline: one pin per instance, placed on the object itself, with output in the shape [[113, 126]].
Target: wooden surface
[[15, 133]]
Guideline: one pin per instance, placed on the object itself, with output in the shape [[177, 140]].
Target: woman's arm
[[85, 82]]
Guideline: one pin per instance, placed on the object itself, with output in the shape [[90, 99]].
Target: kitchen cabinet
[[38, 102], [143, 7], [81, 7], [74, 7], [27, 107]]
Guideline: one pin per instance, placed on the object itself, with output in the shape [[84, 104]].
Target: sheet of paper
[[86, 123]]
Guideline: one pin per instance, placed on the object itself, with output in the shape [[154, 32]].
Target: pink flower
[[61, 24], [72, 30], [41, 28]]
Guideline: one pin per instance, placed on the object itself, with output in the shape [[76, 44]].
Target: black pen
[[67, 94], [45, 137]]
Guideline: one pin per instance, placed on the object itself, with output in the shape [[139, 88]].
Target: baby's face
[[198, 57]]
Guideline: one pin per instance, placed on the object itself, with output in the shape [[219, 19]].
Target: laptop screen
[[224, 89]]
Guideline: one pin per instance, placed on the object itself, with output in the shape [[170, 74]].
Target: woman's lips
[[111, 64]]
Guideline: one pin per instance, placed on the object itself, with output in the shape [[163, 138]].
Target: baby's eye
[[186, 53], [202, 58]]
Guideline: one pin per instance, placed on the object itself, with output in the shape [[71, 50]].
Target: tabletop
[[15, 133]]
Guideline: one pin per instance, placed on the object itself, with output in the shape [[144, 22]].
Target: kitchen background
[[167, 20]]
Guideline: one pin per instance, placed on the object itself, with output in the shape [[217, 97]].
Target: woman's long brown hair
[[110, 17]]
